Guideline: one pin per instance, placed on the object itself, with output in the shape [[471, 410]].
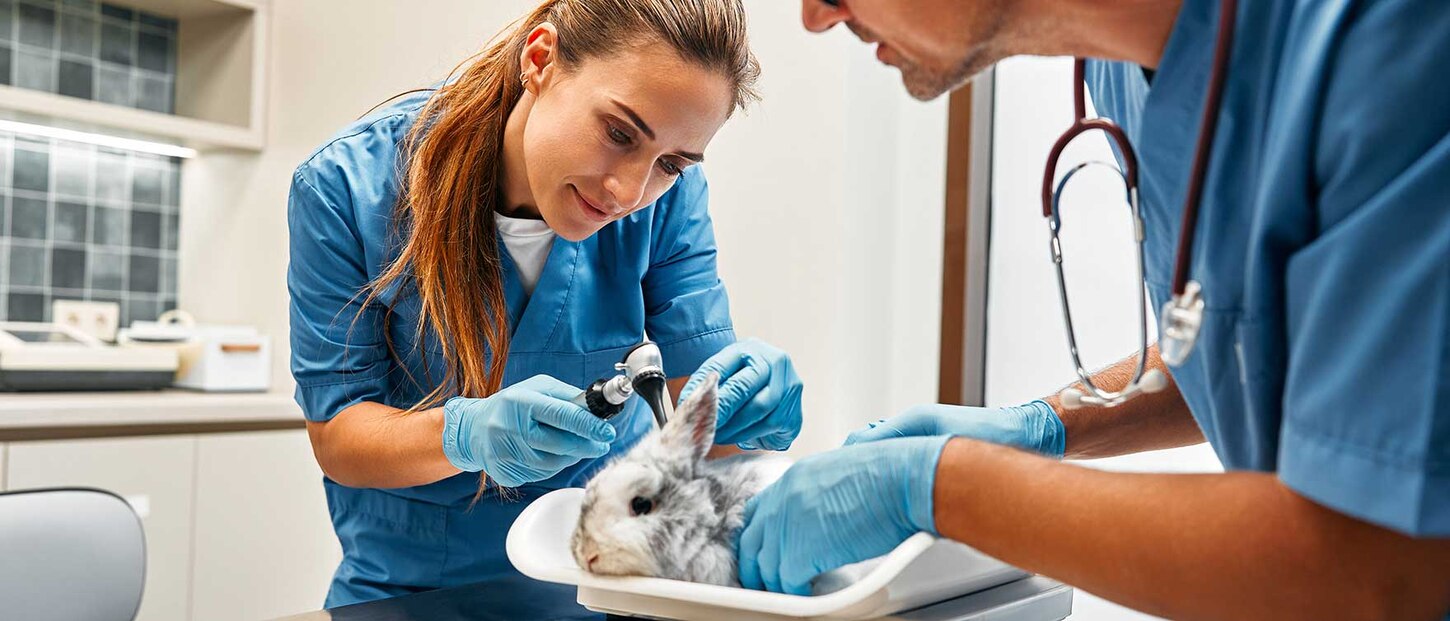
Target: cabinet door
[[264, 541], [154, 474], [3, 447]]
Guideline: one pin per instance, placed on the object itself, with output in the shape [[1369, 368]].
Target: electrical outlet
[[98, 319]]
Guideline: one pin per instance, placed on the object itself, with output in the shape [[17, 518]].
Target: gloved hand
[[524, 433], [1034, 427], [760, 396], [836, 508]]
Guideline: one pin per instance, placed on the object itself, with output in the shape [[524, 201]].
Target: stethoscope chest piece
[[1182, 319]]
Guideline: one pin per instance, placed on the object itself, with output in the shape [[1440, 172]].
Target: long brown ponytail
[[450, 183]]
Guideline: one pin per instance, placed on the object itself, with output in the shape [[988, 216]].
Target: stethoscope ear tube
[[1182, 316]]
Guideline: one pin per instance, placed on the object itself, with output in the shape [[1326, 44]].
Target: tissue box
[[226, 359]]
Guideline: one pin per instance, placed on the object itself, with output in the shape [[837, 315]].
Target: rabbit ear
[[692, 430]]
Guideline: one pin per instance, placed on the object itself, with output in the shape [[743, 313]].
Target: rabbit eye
[[641, 505]]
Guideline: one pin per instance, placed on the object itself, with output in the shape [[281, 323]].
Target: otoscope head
[[646, 370]]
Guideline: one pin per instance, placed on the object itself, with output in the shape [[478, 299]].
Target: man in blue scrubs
[[1321, 376]]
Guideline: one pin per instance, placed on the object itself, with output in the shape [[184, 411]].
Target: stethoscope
[[1182, 316]]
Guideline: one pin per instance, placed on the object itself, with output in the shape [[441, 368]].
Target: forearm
[[373, 445], [1148, 422], [1223, 546]]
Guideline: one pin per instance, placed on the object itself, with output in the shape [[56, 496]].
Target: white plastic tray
[[922, 570]]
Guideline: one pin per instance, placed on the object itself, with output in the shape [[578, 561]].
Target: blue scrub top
[[652, 272], [1323, 243]]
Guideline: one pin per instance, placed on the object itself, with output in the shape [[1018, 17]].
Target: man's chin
[[926, 85], [926, 89]]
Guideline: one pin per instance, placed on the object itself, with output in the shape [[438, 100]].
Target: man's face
[[936, 44]]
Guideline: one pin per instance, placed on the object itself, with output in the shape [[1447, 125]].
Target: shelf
[[87, 115], [220, 83]]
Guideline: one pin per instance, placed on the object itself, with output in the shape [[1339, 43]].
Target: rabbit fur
[[663, 510]]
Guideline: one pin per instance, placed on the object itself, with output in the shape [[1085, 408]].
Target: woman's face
[[609, 136]]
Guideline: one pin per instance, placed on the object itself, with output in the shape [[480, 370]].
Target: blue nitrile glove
[[760, 396], [837, 508], [524, 433], [1033, 427]]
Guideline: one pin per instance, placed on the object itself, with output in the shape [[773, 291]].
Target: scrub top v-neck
[[651, 273]]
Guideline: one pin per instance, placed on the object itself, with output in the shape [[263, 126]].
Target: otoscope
[[644, 373]]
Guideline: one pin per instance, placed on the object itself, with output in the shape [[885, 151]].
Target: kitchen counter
[[64, 415]]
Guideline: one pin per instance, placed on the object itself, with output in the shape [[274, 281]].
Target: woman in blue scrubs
[[1321, 376], [463, 260]]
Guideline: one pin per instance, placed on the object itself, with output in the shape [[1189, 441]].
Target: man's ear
[[536, 61]]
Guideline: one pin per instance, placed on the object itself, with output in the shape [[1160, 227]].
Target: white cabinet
[[264, 541], [3, 448], [155, 474]]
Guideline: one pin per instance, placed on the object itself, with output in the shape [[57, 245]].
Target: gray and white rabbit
[[665, 511]]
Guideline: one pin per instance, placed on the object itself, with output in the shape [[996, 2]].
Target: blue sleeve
[[1367, 396], [339, 357], [686, 309]]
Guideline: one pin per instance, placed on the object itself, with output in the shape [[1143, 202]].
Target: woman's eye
[[670, 168], [619, 137], [640, 506]]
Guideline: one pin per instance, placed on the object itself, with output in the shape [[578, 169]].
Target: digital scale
[[38, 356]]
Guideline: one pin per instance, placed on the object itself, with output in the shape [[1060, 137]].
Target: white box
[[226, 359]]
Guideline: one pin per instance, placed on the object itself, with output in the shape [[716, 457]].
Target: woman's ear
[[536, 61]]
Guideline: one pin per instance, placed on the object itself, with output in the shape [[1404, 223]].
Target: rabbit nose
[[589, 563]]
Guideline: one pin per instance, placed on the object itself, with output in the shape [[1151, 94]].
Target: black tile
[[37, 25], [168, 276], [173, 229], [145, 274], [146, 184], [111, 10], [75, 79], [145, 229], [105, 298], [138, 309], [5, 63], [70, 222], [157, 21], [78, 34], [28, 218], [117, 45], [106, 270], [7, 20], [27, 266], [27, 307], [32, 170], [173, 184], [67, 268], [153, 94], [110, 227], [152, 51]]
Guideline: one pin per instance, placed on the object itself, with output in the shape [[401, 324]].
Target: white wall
[[1027, 355], [826, 196]]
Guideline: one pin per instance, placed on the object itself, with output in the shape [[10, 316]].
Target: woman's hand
[[760, 396], [525, 433]]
